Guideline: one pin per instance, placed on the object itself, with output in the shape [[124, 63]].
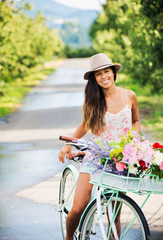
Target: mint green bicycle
[[110, 214]]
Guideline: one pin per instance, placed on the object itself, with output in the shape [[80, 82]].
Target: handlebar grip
[[68, 139]]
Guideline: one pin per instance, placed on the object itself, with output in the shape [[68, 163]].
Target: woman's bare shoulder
[[132, 97], [131, 93]]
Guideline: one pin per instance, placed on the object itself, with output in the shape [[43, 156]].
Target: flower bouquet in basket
[[131, 156]]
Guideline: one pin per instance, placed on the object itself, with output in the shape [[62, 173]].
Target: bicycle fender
[[83, 214], [73, 169], [74, 172]]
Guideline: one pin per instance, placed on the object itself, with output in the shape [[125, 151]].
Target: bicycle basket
[[126, 183]]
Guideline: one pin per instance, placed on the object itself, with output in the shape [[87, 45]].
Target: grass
[[13, 92], [150, 105]]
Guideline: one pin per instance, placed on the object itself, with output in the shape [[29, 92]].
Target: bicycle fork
[[112, 214]]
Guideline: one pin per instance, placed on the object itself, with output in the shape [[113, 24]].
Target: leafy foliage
[[79, 52], [130, 32], [24, 42]]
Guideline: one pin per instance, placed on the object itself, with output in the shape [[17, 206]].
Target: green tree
[[130, 32], [24, 42]]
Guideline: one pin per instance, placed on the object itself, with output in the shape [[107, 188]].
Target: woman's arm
[[80, 132], [135, 112]]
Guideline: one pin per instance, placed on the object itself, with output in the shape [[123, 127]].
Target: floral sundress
[[115, 126]]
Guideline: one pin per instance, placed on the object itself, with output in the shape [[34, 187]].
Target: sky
[[83, 4]]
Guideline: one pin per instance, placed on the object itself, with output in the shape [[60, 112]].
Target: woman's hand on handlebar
[[65, 150], [76, 154]]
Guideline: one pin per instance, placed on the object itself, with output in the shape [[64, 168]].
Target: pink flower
[[130, 154], [115, 159], [120, 166], [145, 152], [127, 149], [161, 166], [148, 155], [133, 153]]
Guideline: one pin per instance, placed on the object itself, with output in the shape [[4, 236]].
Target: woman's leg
[[81, 199]]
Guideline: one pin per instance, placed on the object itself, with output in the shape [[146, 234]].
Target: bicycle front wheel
[[67, 190], [130, 222]]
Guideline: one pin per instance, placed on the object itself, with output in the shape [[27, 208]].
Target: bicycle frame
[[111, 211], [97, 192], [108, 196]]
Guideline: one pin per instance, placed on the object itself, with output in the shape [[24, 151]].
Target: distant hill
[[58, 13], [73, 23]]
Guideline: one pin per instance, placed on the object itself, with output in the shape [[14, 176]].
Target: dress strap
[[126, 96]]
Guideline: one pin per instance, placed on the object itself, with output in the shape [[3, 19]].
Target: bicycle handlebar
[[74, 142], [68, 139], [79, 144]]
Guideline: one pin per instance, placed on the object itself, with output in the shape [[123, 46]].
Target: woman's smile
[[105, 81]]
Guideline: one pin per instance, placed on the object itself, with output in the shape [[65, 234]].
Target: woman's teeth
[[105, 82]]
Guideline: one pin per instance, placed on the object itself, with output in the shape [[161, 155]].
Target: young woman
[[108, 110]]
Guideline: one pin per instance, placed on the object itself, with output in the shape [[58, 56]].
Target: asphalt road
[[29, 166]]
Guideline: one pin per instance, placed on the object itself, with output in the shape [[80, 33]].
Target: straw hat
[[100, 61]]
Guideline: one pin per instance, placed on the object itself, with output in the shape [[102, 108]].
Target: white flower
[[158, 158], [133, 170]]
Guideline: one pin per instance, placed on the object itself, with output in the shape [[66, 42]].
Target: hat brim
[[116, 65]]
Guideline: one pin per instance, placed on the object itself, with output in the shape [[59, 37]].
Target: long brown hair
[[95, 105]]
